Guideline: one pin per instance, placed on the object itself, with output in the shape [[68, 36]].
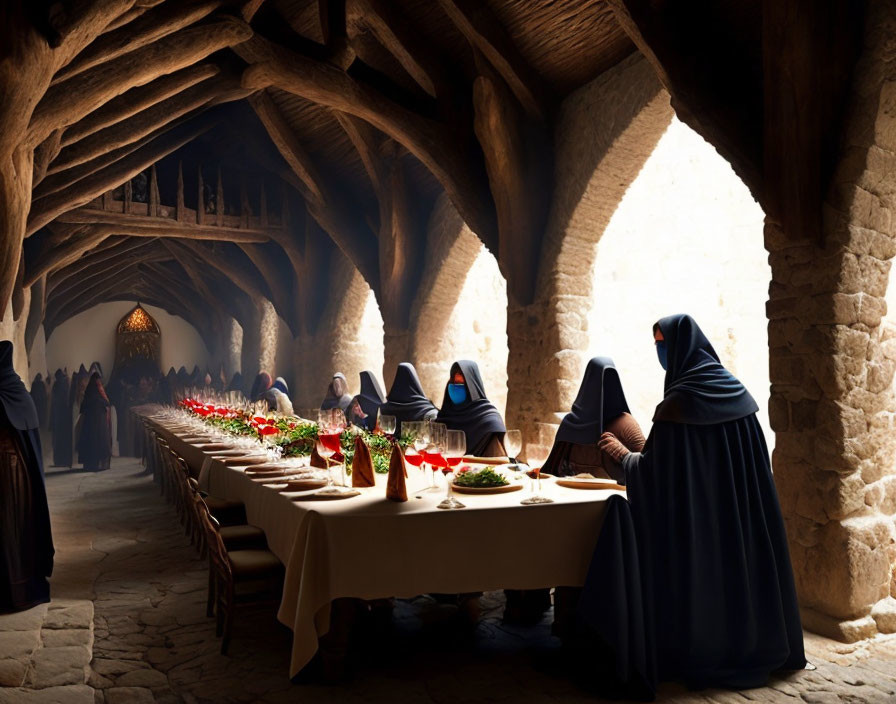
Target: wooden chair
[[237, 578]]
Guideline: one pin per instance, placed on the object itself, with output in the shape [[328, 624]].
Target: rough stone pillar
[[397, 348], [14, 331], [605, 132], [832, 362], [232, 346], [348, 337]]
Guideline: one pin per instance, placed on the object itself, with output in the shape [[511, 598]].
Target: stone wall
[[349, 337], [605, 132], [685, 238], [461, 312], [832, 367], [14, 331]]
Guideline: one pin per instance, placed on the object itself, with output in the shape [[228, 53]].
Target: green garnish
[[483, 478]]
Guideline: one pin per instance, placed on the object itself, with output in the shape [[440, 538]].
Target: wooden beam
[[809, 50], [71, 100], [324, 202], [400, 40], [712, 70], [287, 144], [136, 100], [486, 34], [36, 311], [519, 165], [152, 26], [447, 154], [147, 226], [58, 246], [85, 190], [226, 260], [122, 252], [67, 178], [44, 154], [249, 8], [140, 125]]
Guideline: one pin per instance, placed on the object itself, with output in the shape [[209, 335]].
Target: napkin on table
[[362, 465], [396, 487]]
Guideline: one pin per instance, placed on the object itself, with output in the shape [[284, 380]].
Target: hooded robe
[[95, 438], [406, 400], [476, 416], [41, 399], [61, 421], [26, 541], [337, 394], [710, 599], [364, 408], [600, 406]]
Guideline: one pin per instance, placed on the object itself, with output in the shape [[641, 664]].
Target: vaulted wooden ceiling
[[220, 149]]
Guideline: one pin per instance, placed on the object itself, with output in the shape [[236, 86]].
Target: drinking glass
[[329, 431], [432, 451], [455, 447], [387, 424], [513, 443], [536, 458]]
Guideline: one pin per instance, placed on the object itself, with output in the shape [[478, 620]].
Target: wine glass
[[513, 443], [387, 424], [455, 447], [329, 432], [432, 454], [536, 455]]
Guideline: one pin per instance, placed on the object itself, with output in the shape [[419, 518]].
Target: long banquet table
[[369, 547]]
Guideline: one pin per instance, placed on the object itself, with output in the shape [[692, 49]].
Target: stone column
[[14, 331], [605, 132], [832, 362]]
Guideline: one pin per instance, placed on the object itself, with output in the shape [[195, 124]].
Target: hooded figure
[[466, 407], [363, 410], [600, 407], [95, 438], [278, 397], [26, 541], [261, 384], [167, 385], [61, 421], [406, 400], [41, 399], [96, 367], [337, 394], [694, 569], [236, 382]]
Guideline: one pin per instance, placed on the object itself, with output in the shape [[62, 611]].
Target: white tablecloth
[[369, 547]]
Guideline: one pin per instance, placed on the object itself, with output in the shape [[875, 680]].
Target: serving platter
[[595, 483], [485, 489]]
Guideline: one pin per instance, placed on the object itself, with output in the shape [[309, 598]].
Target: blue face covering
[[661, 353], [457, 393]]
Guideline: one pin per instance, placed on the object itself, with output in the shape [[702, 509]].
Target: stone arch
[[685, 238], [462, 310], [832, 363], [599, 151], [349, 337]]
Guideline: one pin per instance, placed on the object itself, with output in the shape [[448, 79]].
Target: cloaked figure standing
[[261, 384], [691, 578], [337, 394], [95, 437], [41, 399], [407, 400], [61, 420], [599, 407], [466, 407], [364, 408], [26, 541]]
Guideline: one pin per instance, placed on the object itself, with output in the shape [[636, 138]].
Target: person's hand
[[610, 444]]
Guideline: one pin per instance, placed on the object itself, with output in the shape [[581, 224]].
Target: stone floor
[[128, 625]]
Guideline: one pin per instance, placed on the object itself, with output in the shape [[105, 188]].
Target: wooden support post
[[153, 192], [200, 197], [181, 210]]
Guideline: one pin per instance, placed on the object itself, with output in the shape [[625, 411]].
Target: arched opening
[[685, 238], [464, 314], [90, 336]]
